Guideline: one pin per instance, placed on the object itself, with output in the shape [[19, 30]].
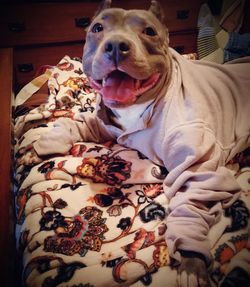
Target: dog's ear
[[104, 5], [157, 10]]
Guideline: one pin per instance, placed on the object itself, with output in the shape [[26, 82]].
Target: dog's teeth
[[137, 84], [104, 82]]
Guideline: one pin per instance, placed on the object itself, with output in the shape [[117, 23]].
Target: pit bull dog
[[189, 116]]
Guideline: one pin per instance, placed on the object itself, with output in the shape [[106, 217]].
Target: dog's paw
[[192, 272]]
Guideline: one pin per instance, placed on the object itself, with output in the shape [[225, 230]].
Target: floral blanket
[[95, 217]]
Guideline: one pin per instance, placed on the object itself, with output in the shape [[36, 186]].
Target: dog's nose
[[117, 50]]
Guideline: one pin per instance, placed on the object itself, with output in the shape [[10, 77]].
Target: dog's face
[[126, 53]]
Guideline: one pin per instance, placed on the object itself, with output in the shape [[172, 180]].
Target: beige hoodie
[[193, 129]]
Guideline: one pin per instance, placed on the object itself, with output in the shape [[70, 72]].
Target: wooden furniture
[[7, 245], [42, 33]]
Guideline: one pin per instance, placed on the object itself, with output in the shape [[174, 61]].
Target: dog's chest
[[128, 118]]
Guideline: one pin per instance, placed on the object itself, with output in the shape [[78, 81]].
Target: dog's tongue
[[119, 87]]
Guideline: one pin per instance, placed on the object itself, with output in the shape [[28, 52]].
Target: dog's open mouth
[[120, 88]]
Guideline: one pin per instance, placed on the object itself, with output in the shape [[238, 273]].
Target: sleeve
[[198, 186], [66, 132]]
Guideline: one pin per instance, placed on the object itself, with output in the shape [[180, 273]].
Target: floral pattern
[[108, 169], [101, 208], [79, 234]]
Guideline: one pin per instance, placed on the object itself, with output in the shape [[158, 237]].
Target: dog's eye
[[149, 31], [97, 28]]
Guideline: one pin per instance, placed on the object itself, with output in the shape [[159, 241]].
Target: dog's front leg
[[66, 132]]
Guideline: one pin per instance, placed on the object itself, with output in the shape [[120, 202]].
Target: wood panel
[[43, 23], [184, 43], [26, 24], [33, 58], [7, 248]]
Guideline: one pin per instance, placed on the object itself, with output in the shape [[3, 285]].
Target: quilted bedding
[[95, 216]]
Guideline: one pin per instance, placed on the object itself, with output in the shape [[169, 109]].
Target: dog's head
[[126, 53]]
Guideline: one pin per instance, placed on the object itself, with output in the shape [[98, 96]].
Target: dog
[[189, 116]]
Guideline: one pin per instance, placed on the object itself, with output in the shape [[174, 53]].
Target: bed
[[95, 216]]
